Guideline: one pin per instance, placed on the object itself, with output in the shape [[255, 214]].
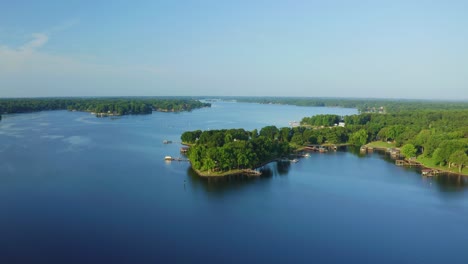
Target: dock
[[184, 150], [394, 152], [429, 172], [409, 163], [169, 158], [324, 148], [249, 172]]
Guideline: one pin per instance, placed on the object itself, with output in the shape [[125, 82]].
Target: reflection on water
[[231, 182], [451, 182], [446, 182]]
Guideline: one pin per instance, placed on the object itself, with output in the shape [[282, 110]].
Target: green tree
[[297, 139], [408, 150], [358, 138], [227, 138], [270, 132], [285, 134], [460, 159]]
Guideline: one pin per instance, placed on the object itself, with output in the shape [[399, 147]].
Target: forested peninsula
[[101, 106], [436, 138], [221, 152]]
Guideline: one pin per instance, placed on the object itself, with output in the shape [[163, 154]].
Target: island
[[106, 106], [436, 139]]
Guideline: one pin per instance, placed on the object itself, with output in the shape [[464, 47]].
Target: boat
[[167, 141], [294, 160], [168, 158], [306, 155]]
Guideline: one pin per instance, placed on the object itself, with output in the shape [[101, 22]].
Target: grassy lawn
[[380, 144], [430, 163]]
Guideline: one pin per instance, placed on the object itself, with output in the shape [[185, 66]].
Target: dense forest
[[233, 149], [363, 105], [115, 106], [436, 137], [321, 120]]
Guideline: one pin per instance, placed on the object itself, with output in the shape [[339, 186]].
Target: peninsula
[[434, 138], [234, 151]]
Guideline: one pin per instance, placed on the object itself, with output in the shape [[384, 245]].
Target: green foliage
[[363, 105], [190, 137], [460, 159], [270, 132], [358, 138], [114, 106], [446, 148], [435, 134], [408, 150], [321, 120], [224, 150]]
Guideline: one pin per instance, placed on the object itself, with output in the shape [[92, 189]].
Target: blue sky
[[378, 49]]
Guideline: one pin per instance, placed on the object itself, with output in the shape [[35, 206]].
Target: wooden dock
[[400, 162], [408, 163], [169, 158], [324, 148], [429, 172], [249, 172]]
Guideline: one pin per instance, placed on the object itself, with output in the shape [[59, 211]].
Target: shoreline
[[424, 166], [249, 171], [444, 171], [245, 172]]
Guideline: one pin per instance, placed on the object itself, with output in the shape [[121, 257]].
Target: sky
[[365, 49]]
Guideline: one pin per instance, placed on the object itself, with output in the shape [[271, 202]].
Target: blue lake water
[[79, 189]]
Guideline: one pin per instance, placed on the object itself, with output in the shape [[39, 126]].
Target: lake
[[79, 189]]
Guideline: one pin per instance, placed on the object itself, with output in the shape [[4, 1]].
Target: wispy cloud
[[27, 67], [38, 40]]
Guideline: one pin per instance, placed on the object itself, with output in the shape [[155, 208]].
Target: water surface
[[80, 189]]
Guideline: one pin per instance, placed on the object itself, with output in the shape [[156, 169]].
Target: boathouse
[[184, 149]]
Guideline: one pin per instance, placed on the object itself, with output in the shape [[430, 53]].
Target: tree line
[[438, 136], [117, 106], [363, 105]]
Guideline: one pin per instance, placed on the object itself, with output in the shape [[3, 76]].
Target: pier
[[169, 158], [429, 172], [409, 163], [324, 147]]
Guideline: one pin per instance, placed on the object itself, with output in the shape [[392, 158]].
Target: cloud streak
[[26, 70], [39, 40]]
